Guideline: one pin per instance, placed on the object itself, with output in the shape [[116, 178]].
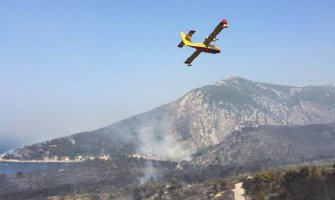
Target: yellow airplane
[[202, 47]]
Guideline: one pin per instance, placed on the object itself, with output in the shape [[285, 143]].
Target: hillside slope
[[270, 146], [203, 117]]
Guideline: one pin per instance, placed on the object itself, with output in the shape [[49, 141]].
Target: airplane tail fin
[[185, 39]]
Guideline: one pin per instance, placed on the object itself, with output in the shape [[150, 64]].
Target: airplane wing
[[217, 30], [192, 57]]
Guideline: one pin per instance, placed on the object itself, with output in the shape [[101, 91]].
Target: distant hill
[[270, 146], [203, 117]]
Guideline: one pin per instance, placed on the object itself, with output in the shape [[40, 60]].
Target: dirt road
[[238, 192]]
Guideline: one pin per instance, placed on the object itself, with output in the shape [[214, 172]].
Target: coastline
[[39, 161]]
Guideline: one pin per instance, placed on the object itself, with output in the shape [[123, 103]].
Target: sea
[[11, 168]]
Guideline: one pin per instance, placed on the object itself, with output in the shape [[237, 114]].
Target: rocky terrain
[[204, 117], [272, 146]]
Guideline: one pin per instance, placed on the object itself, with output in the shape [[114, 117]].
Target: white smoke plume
[[162, 145], [73, 141], [156, 141], [150, 173]]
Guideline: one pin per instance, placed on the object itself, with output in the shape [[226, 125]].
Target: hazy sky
[[72, 66]]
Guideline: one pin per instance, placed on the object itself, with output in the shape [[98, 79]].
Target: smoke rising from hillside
[[162, 146], [149, 173]]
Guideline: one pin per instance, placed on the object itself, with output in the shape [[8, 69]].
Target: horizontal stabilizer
[[185, 38], [189, 35], [181, 44]]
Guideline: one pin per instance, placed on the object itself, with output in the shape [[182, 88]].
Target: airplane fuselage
[[203, 48]]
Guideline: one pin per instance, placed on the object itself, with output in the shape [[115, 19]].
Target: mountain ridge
[[203, 117]]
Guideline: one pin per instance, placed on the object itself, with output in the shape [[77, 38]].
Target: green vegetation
[[306, 182]]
